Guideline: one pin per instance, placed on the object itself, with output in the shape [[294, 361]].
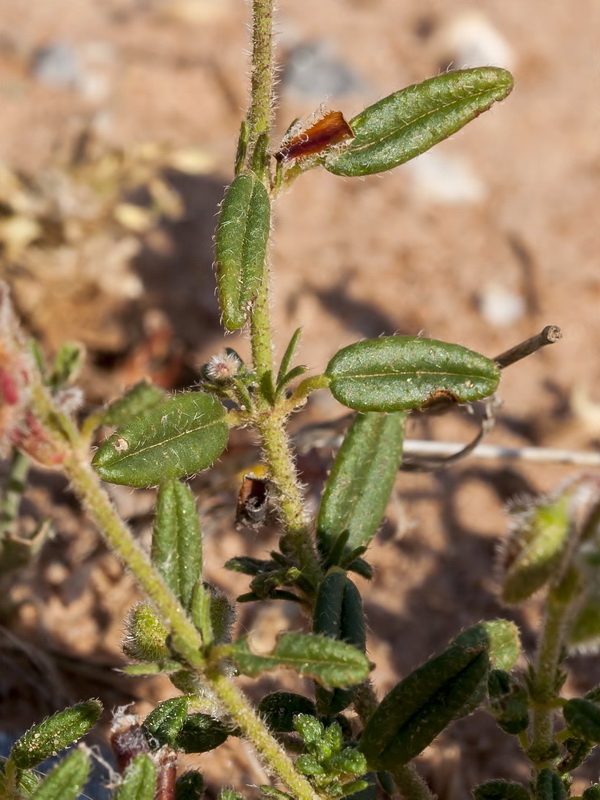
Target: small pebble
[[471, 40], [57, 64], [500, 306], [312, 70], [445, 179]]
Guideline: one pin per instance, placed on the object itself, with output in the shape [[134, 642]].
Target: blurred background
[[118, 125]]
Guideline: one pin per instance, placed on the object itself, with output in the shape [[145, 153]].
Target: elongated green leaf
[[419, 707], [409, 122], [66, 780], [583, 718], [165, 722], [549, 786], [338, 614], [139, 780], [329, 662], [397, 373], [500, 790], [240, 247], [592, 792], [361, 480], [53, 734], [137, 400], [181, 436], [177, 540]]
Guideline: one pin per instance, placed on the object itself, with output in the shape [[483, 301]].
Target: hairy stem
[[186, 638], [546, 677], [270, 751], [261, 98], [410, 784], [86, 485]]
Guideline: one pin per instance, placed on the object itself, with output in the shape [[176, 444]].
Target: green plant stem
[[261, 102], [273, 755], [86, 485], [271, 425], [546, 676], [260, 333], [279, 457], [410, 784], [186, 639]]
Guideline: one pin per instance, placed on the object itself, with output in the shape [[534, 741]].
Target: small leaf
[[279, 709], [499, 636], [583, 634], [66, 780], [240, 247], [66, 365], [250, 566], [177, 540], [536, 549], [500, 790], [146, 638], [55, 733], [583, 719], [139, 780], [397, 373], [360, 483], [509, 702], [136, 401], [577, 752], [368, 792], [181, 436], [419, 707], [329, 662], [549, 786], [409, 122], [288, 356], [592, 792], [200, 733], [190, 786], [167, 719]]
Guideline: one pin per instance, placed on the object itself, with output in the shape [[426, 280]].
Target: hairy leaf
[[500, 790], [55, 733], [409, 122], [397, 373], [240, 247], [177, 540], [66, 780], [139, 780], [418, 708], [329, 662], [181, 436], [583, 718], [360, 483]]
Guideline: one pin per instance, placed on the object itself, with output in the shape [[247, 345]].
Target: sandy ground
[[482, 244]]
